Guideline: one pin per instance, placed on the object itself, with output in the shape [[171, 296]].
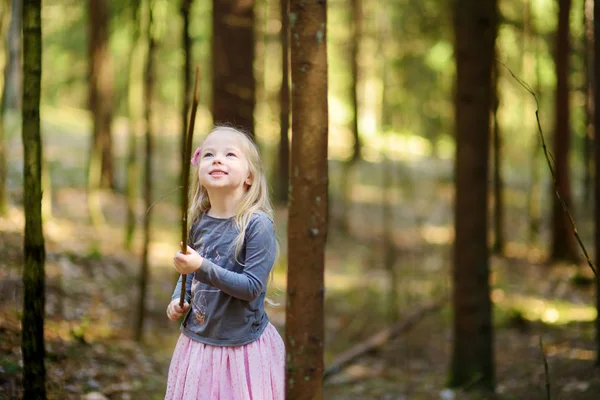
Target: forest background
[[391, 231]]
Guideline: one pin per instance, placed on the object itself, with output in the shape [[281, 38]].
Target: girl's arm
[[261, 249]]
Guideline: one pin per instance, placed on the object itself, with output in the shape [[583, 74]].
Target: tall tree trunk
[[100, 88], [34, 296], [533, 198], [133, 109], [596, 68], [144, 277], [563, 241], [348, 168], [588, 55], [475, 24], [283, 168], [356, 12], [233, 85], [307, 226], [13, 74], [498, 246], [388, 248], [4, 23]]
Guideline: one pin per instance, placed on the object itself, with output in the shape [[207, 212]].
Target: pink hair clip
[[195, 157]]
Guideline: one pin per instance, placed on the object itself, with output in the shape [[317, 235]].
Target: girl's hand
[[187, 263], [174, 311]]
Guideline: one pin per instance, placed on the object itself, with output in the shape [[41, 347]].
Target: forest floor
[[92, 298], [92, 293]]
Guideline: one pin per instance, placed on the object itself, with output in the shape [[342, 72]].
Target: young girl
[[227, 349]]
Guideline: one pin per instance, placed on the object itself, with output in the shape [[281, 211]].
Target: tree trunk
[[100, 88], [283, 169], [148, 96], [307, 226], [596, 65], [563, 242], [13, 74], [233, 85], [348, 167], [34, 297], [133, 109], [475, 25], [588, 56], [4, 23], [498, 246], [356, 12], [533, 198]]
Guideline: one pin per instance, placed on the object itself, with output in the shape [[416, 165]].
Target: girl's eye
[[230, 154], [207, 155]]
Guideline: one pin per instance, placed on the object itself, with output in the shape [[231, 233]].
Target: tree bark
[[134, 112], [13, 74], [596, 66], [498, 246], [100, 89], [475, 24], [233, 85], [563, 242], [307, 226], [283, 170], [588, 142], [144, 277], [4, 23], [34, 297]]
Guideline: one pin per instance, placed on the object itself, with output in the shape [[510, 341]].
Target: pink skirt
[[255, 371]]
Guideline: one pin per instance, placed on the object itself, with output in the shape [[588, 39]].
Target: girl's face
[[222, 163]]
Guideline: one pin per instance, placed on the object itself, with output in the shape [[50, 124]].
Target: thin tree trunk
[[101, 87], [134, 112], [588, 55], [34, 297], [144, 276], [13, 74], [283, 169], [349, 166], [533, 198], [388, 246], [307, 226], [498, 246], [475, 25], [4, 23], [233, 85], [596, 65], [563, 241], [356, 10]]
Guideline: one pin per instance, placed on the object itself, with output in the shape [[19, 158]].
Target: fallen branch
[[550, 160], [382, 337]]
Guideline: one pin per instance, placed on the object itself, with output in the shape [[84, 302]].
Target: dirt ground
[[91, 300]]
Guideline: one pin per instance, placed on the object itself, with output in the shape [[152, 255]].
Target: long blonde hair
[[256, 197]]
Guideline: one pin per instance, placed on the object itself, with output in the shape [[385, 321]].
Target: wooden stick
[[186, 180], [382, 337]]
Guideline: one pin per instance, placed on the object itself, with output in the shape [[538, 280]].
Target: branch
[[186, 180], [549, 160], [382, 337]]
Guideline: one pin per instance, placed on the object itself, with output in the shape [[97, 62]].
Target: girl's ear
[[248, 180]]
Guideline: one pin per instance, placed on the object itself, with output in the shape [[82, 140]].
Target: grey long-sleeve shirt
[[227, 295]]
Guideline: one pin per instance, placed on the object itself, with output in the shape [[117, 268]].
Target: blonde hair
[[256, 198]]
